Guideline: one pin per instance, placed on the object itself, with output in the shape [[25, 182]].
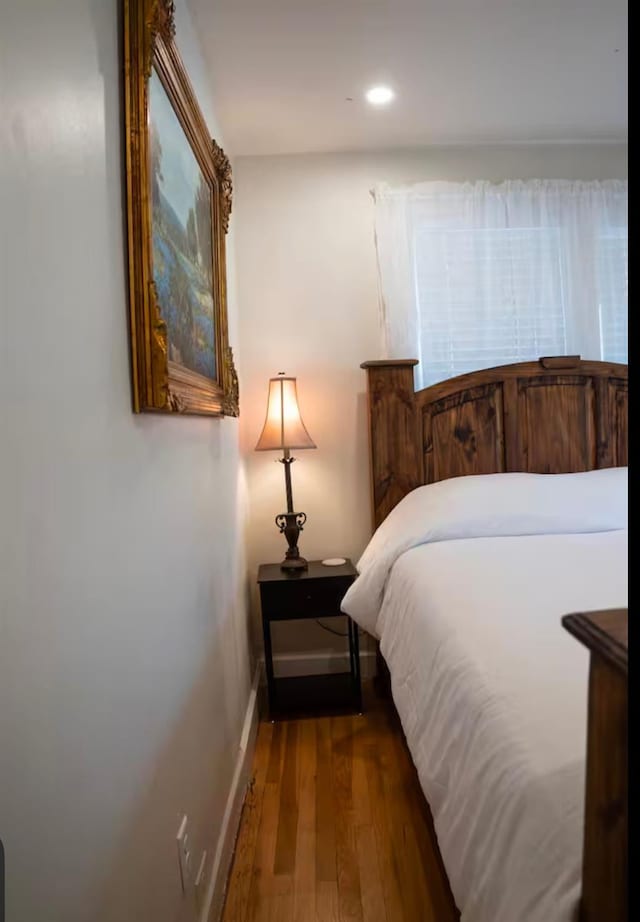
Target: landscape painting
[[182, 238], [179, 190]]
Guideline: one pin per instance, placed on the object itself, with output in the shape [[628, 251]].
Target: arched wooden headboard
[[553, 416]]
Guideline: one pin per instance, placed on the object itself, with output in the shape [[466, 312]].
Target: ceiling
[[464, 71]]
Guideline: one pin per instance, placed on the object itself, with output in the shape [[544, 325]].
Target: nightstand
[[309, 594]]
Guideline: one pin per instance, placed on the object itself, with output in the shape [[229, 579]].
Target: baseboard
[[291, 664], [214, 902]]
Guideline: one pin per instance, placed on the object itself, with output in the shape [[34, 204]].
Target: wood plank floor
[[335, 827]]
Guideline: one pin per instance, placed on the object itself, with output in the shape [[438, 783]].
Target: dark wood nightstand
[[313, 593]]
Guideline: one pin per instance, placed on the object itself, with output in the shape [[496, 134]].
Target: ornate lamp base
[[290, 525]]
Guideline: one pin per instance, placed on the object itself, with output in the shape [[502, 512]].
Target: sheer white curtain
[[474, 274]]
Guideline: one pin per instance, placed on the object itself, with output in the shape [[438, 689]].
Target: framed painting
[[179, 194]]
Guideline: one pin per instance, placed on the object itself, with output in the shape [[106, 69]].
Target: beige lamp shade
[[283, 427]]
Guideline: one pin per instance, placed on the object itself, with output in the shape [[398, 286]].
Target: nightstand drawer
[[307, 599]]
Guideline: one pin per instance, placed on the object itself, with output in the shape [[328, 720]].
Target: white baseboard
[[292, 664], [214, 902]]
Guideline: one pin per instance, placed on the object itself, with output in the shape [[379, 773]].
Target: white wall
[[309, 306], [123, 655]]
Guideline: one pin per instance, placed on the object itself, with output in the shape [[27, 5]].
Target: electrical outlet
[[184, 854]]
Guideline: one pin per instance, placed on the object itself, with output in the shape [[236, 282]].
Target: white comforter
[[490, 689]]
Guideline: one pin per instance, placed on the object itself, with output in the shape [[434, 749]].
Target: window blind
[[477, 274], [482, 299], [612, 268]]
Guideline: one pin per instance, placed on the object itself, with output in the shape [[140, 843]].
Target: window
[[474, 275], [481, 301], [612, 267]]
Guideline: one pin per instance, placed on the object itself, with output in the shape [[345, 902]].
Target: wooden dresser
[[604, 863]]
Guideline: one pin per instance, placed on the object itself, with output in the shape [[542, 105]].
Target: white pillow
[[487, 505]]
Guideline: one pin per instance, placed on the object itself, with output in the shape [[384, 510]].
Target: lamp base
[[290, 525], [294, 564]]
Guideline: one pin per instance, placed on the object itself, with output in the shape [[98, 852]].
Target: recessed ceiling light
[[380, 95]]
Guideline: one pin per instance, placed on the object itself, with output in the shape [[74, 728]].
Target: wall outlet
[[184, 854]]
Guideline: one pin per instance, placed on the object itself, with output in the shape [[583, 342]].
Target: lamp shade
[[283, 427]]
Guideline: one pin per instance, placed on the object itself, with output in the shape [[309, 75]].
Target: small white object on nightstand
[[333, 561]]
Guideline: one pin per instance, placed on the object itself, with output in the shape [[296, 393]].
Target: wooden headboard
[[553, 416]]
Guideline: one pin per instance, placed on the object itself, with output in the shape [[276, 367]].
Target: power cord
[[330, 630]]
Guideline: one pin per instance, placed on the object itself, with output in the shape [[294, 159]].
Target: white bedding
[[490, 689]]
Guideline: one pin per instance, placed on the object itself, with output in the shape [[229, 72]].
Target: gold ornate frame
[[160, 385]]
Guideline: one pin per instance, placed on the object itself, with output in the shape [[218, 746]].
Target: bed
[[476, 557]]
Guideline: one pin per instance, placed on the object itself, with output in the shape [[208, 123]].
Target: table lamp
[[284, 430]]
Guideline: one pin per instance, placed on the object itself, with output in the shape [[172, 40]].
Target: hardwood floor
[[335, 827]]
